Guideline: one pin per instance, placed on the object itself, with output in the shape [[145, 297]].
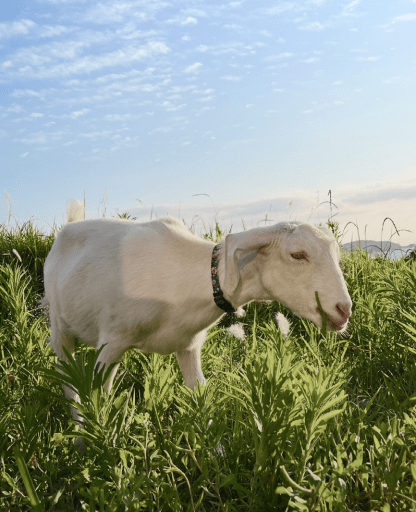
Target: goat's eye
[[299, 255]]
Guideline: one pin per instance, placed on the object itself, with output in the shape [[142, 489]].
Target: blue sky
[[263, 106]]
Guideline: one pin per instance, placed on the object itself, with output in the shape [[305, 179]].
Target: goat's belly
[[163, 342]]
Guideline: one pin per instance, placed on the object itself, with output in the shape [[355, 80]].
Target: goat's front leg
[[190, 365]]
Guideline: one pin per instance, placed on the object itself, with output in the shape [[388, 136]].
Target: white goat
[[120, 284]]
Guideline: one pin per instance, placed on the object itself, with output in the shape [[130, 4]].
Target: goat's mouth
[[331, 325]]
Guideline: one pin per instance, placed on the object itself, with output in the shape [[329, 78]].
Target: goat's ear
[[240, 250]]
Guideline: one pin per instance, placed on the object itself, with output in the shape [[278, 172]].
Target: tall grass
[[304, 421]]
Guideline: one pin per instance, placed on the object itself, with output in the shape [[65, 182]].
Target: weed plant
[[304, 421]]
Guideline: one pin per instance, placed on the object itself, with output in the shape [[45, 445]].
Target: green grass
[[311, 421]]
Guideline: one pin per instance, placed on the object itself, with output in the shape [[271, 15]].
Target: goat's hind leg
[[58, 341], [109, 354]]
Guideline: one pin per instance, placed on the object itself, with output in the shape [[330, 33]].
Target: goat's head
[[289, 263]]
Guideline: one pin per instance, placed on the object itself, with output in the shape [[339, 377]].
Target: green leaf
[[331, 414], [27, 481], [227, 480]]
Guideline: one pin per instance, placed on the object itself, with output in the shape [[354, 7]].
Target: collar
[[219, 298]]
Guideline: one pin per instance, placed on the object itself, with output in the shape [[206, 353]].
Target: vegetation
[[308, 421]]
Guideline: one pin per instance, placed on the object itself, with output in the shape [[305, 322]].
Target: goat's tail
[[75, 211]]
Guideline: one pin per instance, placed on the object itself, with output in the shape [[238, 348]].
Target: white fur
[[126, 285], [75, 211]]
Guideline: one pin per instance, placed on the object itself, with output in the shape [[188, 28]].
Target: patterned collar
[[219, 298]]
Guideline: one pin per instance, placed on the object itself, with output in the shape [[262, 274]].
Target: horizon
[[250, 217]]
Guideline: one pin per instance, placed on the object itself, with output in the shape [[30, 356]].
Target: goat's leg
[[106, 357], [58, 341], [110, 354], [190, 365]]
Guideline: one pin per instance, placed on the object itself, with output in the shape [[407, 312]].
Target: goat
[[119, 284]]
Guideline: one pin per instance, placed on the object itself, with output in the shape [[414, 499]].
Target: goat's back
[[103, 245]]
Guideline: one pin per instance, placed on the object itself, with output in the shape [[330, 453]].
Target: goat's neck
[[249, 288], [198, 285], [250, 285]]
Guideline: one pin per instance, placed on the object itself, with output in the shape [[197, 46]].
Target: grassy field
[[308, 421]]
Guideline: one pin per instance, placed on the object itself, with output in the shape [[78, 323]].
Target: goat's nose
[[344, 310]]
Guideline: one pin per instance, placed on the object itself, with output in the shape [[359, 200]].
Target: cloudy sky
[[262, 106]]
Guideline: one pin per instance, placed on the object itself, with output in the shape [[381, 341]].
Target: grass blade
[[27, 481]]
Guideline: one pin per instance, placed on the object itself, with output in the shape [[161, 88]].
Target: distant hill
[[392, 250]]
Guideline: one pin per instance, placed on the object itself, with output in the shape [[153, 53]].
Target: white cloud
[[40, 69], [393, 79], [79, 113], [280, 56], [161, 129], [314, 26], [311, 60], [238, 49], [16, 28], [400, 19], [119, 11], [96, 135], [43, 55], [231, 78], [281, 8], [193, 68], [54, 30], [24, 155], [36, 115], [189, 21], [182, 88], [42, 138], [57, 2], [405, 17], [15, 109], [232, 26], [22, 93], [205, 91], [373, 58], [349, 8], [206, 99], [117, 117], [171, 107]]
